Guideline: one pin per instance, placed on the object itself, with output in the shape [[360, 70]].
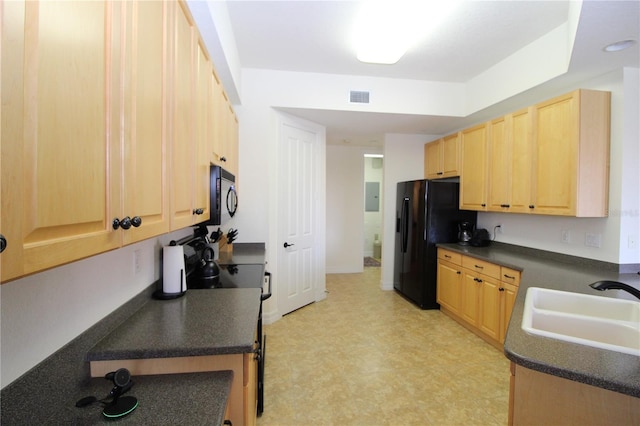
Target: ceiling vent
[[358, 97]]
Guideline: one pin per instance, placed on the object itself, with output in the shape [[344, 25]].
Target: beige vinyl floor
[[364, 356]]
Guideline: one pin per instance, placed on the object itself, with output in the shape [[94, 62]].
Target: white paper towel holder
[[174, 276]]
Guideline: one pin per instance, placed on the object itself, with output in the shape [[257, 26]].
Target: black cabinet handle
[[509, 276], [501, 289], [136, 221], [198, 211], [3, 243], [440, 173], [506, 206], [483, 205], [223, 159], [458, 272], [288, 245], [531, 206], [125, 223], [447, 256], [478, 280], [478, 266]]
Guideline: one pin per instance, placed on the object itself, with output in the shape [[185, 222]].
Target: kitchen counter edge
[[605, 369]]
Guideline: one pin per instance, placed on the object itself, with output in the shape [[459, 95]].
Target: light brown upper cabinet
[[473, 179], [60, 127], [442, 157], [571, 154], [510, 163], [226, 150], [551, 158], [145, 186], [189, 171], [203, 129], [105, 129]]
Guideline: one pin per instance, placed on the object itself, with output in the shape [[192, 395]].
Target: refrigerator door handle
[[405, 224]]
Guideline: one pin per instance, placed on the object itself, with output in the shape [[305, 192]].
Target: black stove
[[247, 273]]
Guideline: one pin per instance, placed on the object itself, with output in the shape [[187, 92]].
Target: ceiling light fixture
[[386, 29], [619, 45]]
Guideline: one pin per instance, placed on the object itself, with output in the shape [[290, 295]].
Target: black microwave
[[224, 198]]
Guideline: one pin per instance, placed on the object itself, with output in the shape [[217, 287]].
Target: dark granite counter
[[202, 322], [185, 399], [598, 367], [243, 254]]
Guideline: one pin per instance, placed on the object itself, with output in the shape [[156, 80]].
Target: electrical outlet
[[593, 240], [137, 261], [566, 236]]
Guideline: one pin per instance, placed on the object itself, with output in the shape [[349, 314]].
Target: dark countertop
[[597, 367], [185, 399], [243, 254], [202, 322]]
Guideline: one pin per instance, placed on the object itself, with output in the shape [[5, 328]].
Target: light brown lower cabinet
[[537, 398], [478, 294], [242, 404]]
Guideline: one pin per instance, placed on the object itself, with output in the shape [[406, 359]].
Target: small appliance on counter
[[208, 275], [174, 273], [480, 238], [465, 233]]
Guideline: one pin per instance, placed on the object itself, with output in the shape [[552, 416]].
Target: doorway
[[373, 202]]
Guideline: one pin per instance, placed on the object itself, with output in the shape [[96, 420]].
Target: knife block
[[224, 246]]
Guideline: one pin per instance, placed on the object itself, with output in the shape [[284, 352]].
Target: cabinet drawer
[[450, 256], [481, 266], [510, 276]]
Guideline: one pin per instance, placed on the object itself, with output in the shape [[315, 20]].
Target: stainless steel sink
[[596, 321]]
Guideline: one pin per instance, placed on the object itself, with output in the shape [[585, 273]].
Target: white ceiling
[[314, 36]]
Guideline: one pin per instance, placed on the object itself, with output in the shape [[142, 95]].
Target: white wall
[[43, 312]]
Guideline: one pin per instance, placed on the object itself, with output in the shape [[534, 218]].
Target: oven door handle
[[267, 295]]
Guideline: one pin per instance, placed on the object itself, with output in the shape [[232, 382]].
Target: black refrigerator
[[427, 213]]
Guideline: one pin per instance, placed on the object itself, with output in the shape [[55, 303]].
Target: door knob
[[288, 245]]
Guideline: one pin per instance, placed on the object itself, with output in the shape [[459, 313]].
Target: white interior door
[[299, 245]]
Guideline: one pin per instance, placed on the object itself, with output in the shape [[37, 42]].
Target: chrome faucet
[[615, 285]]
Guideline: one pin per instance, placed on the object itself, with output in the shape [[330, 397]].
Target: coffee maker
[[465, 232]]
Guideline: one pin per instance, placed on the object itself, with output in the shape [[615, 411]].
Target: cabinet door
[[203, 139], [250, 389], [234, 133], [521, 163], [432, 159], [215, 120], [183, 144], [145, 189], [556, 143], [489, 318], [469, 300], [473, 178], [507, 300], [449, 283], [451, 156], [60, 112], [499, 165]]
